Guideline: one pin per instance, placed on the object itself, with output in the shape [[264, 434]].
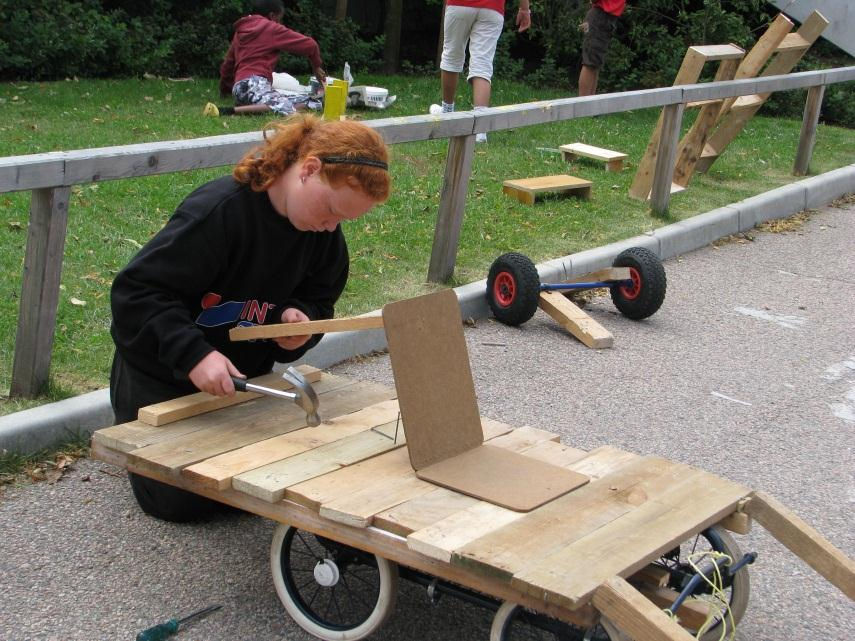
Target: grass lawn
[[390, 247]]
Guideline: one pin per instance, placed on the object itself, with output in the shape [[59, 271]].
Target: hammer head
[[306, 396]]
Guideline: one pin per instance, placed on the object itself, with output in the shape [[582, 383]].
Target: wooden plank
[[136, 434], [172, 456], [39, 291], [803, 541], [794, 41], [270, 482], [423, 510], [718, 52], [635, 615], [574, 320], [631, 541], [440, 538], [452, 204], [663, 172], [688, 73], [609, 273], [279, 330], [201, 403], [219, 470], [692, 144], [526, 190], [510, 550]]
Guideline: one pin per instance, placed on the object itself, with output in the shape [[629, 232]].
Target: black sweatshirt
[[226, 258]]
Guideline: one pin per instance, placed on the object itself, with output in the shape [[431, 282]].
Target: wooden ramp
[[689, 149], [572, 558]]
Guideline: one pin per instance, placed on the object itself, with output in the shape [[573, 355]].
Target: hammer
[[304, 396]]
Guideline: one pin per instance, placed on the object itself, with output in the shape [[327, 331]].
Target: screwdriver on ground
[[163, 630]]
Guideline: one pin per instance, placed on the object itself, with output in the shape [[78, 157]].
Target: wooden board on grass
[[526, 190]]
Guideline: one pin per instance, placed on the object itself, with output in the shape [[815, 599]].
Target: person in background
[[247, 71], [599, 25], [263, 245], [478, 25]]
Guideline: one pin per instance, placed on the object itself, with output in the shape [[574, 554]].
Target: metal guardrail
[[50, 176]]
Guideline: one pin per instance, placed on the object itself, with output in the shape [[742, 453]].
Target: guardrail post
[[666, 156], [807, 138], [452, 202], [40, 290]]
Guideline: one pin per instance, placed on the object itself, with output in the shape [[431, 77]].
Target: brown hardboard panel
[[502, 477], [430, 364]]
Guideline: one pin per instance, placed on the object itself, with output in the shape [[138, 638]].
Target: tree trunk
[[392, 48], [340, 9]]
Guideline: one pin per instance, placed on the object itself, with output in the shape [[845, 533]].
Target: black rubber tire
[[737, 588], [513, 288], [170, 503], [647, 292]]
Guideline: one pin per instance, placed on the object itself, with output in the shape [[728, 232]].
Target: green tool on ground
[[163, 630]]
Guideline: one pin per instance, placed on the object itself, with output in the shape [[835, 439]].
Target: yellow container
[[335, 99]]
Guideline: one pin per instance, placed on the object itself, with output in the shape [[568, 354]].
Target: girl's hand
[[293, 315], [213, 375]]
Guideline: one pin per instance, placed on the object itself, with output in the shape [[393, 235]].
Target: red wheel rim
[[504, 289], [631, 292]]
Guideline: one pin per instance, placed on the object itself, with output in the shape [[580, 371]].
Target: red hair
[[302, 136]]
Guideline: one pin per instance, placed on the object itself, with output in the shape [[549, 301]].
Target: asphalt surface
[[747, 371]]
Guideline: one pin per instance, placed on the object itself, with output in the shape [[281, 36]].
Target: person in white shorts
[[478, 24]]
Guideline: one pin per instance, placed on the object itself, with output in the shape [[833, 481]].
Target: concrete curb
[[45, 426]]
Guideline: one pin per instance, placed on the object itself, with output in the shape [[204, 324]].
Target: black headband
[[355, 160]]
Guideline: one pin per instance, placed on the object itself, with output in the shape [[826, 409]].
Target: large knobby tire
[[348, 597], [645, 295], [513, 288]]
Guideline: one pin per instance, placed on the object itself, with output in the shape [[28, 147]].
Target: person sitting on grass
[[263, 245], [247, 71]]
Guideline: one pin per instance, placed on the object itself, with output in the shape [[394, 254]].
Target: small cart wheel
[[736, 589], [645, 295], [331, 590], [513, 288], [513, 622]]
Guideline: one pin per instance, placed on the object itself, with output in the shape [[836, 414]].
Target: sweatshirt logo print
[[240, 313]]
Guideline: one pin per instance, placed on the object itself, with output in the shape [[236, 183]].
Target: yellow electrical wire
[[716, 583]]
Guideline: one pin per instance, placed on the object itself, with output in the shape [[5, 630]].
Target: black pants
[[131, 389]]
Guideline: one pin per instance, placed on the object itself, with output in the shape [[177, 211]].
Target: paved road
[[748, 371]]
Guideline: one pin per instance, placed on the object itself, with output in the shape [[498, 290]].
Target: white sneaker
[[482, 137], [435, 110]]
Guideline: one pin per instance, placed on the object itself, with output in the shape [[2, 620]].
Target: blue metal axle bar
[[544, 287]]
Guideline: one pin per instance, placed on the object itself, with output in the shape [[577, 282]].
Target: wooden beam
[[807, 137], [452, 202], [202, 402], [280, 330], [40, 290], [575, 321], [803, 541], [635, 615], [660, 192]]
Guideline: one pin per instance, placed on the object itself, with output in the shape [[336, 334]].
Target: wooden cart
[[605, 558]]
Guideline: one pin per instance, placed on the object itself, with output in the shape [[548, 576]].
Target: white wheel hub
[[326, 573]]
